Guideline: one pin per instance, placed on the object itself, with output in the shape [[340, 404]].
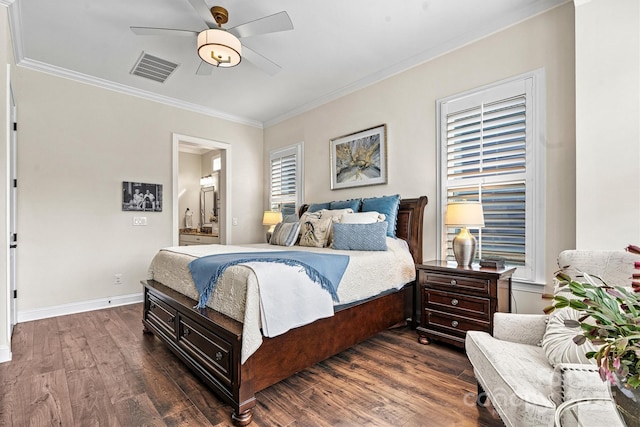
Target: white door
[[13, 199]]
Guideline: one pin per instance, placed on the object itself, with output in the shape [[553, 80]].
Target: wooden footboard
[[210, 343]]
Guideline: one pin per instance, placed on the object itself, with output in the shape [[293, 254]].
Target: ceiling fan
[[218, 47]]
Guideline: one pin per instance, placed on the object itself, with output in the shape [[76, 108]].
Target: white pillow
[[325, 213], [557, 341], [362, 218]]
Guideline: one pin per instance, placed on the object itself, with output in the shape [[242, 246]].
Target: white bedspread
[[237, 292]]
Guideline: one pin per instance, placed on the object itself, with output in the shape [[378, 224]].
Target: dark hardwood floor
[[97, 368]]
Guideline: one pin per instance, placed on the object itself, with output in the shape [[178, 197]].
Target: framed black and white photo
[[139, 196], [359, 159]]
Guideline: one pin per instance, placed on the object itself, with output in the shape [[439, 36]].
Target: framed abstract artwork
[[359, 159]]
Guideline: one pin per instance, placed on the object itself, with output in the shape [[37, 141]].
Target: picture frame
[[359, 159], [141, 197]]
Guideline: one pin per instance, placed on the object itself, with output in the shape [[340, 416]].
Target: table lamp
[[271, 218], [463, 215]]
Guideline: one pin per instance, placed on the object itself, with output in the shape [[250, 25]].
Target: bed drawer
[[209, 349], [161, 316], [457, 304]]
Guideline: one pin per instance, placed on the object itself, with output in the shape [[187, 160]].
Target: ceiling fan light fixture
[[219, 48]]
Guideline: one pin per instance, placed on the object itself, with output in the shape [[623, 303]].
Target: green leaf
[[570, 323]]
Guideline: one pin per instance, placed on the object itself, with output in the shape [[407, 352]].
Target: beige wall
[[77, 144], [407, 102], [5, 53], [607, 124], [190, 172]]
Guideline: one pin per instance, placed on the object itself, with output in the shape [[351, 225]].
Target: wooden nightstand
[[454, 300]]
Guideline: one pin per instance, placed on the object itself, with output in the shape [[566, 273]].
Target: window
[[491, 151], [286, 179], [217, 163]]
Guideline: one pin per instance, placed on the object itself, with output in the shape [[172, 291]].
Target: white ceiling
[[336, 46]]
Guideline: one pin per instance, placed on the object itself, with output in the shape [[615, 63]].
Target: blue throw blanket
[[324, 269]]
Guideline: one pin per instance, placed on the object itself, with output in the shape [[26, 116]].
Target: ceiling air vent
[[153, 68]]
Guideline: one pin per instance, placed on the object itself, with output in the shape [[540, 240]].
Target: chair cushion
[[517, 378]]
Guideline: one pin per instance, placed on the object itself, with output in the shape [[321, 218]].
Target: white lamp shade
[[464, 214], [219, 48], [271, 217]]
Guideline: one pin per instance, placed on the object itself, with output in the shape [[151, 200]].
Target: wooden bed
[[210, 342]]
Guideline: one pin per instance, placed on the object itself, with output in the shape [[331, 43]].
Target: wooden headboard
[[409, 227]]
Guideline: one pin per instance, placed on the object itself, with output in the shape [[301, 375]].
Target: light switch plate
[[139, 220]]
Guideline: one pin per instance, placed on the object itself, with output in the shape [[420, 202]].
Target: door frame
[[225, 184]]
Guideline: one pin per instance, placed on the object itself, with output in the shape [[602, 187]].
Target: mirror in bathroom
[[208, 207]]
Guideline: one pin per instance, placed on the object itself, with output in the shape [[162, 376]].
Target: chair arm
[[519, 328]]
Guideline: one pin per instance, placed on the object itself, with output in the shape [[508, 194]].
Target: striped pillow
[[285, 234]]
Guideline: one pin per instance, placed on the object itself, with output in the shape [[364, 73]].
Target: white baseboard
[[76, 307], [5, 354]]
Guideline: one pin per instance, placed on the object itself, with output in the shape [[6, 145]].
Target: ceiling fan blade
[[151, 31], [269, 24], [204, 69], [260, 61], [204, 11]]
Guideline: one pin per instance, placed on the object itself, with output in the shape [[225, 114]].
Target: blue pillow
[[344, 204], [315, 207], [387, 205], [360, 237]]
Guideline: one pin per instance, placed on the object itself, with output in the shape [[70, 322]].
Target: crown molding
[[15, 22], [451, 45], [127, 90]]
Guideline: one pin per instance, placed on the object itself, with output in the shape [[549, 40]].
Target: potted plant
[[611, 320]]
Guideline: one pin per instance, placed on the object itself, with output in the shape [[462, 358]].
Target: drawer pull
[[454, 282], [171, 319], [152, 306], [454, 323], [454, 302], [218, 356], [186, 332]]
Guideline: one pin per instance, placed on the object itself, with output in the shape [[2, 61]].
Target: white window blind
[[486, 155], [285, 179]]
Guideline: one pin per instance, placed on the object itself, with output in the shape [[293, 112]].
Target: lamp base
[[464, 247]]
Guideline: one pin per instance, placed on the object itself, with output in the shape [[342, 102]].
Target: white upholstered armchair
[[530, 365]]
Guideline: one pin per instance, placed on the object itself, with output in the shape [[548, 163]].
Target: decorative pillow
[[335, 215], [307, 215], [360, 237], [325, 213], [387, 205], [362, 218], [314, 232], [315, 207], [557, 341], [291, 218], [285, 234], [344, 204]]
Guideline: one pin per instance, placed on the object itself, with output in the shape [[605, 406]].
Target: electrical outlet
[[139, 220], [117, 279], [234, 221]]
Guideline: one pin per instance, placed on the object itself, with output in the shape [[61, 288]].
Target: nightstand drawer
[[455, 282], [454, 325], [458, 304]]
